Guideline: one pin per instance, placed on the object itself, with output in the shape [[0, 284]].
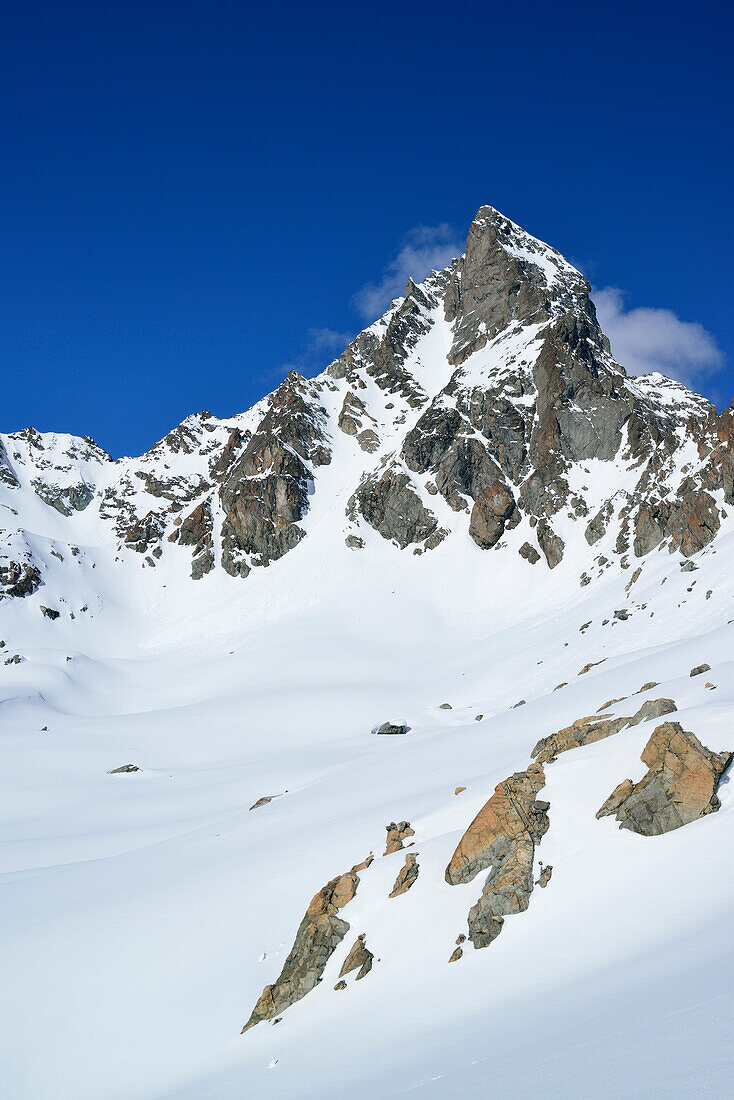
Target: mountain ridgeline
[[483, 405]]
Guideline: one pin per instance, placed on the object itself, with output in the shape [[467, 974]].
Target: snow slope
[[143, 913]]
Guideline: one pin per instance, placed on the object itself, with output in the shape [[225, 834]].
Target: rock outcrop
[[266, 490], [679, 786], [359, 958], [396, 835], [406, 876], [502, 837], [493, 508], [65, 499], [19, 578], [390, 504], [318, 936], [585, 731], [196, 529], [487, 386]]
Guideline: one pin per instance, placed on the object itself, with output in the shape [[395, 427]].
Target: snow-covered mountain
[[475, 527]]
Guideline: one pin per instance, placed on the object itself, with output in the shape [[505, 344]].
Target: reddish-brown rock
[[679, 786], [318, 936], [502, 837]]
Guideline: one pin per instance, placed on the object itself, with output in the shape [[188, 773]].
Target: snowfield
[[143, 913]]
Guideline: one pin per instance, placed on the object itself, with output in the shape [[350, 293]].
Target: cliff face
[[478, 406]]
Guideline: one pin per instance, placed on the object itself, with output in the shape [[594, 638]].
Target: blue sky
[[195, 197]]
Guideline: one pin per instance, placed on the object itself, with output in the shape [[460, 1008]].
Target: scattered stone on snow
[[266, 798], [591, 664], [392, 728]]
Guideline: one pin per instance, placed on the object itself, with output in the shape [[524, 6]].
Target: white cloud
[[646, 340], [322, 346], [425, 248]]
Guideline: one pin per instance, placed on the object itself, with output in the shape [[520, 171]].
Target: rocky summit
[[474, 406], [435, 604]]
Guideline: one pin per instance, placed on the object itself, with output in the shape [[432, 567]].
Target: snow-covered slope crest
[[472, 527]]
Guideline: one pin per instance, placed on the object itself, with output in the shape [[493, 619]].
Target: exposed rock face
[[383, 349], [679, 786], [492, 509], [502, 836], [352, 419], [494, 284], [689, 522], [406, 876], [318, 936], [266, 491], [700, 669], [196, 529], [146, 532], [265, 800], [545, 876], [220, 467], [67, 499], [7, 473], [585, 731], [444, 444], [19, 578], [359, 958], [489, 386], [125, 769], [396, 835], [550, 543], [391, 505]]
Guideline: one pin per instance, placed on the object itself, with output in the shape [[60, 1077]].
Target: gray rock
[[550, 543], [392, 728], [67, 499], [391, 505], [492, 509], [529, 553]]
